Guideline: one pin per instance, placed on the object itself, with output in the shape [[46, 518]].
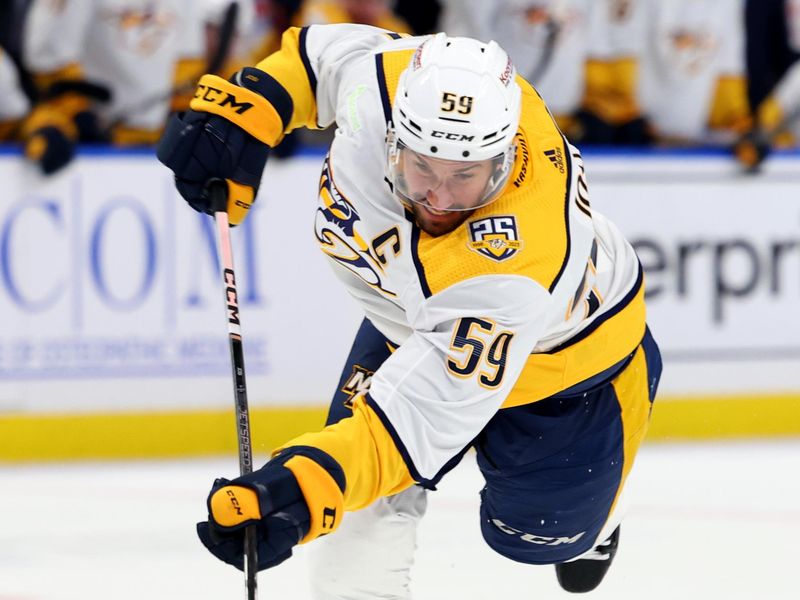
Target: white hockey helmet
[[457, 100]]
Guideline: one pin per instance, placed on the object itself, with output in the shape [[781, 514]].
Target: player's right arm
[[302, 492], [232, 124]]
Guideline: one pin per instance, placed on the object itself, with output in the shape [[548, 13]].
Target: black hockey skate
[[586, 573]]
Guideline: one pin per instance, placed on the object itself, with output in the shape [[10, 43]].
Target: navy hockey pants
[[553, 468]]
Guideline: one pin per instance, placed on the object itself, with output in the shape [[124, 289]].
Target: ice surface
[[711, 520]]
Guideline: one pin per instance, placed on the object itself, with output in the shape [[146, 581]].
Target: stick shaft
[[239, 386]]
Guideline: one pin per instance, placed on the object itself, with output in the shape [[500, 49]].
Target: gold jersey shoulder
[[523, 232]]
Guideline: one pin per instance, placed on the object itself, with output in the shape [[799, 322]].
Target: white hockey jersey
[[533, 294]]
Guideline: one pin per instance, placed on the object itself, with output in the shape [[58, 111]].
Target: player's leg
[[555, 471], [371, 554], [585, 572]]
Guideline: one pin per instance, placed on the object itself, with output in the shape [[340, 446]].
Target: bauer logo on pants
[[495, 237]]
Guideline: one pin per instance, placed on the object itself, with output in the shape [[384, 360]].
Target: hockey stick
[[218, 193], [552, 29], [227, 28]]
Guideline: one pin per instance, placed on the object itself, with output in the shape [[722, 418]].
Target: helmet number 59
[[453, 102], [480, 350]]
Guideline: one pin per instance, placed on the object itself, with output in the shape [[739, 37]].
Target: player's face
[[444, 192]]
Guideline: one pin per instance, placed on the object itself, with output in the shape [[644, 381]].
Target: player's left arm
[[426, 404]]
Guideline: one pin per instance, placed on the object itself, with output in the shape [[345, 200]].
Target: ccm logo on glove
[[233, 505], [223, 98]]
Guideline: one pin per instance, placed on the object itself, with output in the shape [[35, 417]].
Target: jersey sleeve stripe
[[567, 194], [621, 305], [415, 233], [389, 66], [290, 67], [598, 348], [278, 96], [312, 79], [382, 86], [401, 448], [368, 451]]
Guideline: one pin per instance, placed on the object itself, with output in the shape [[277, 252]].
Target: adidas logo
[[556, 157]]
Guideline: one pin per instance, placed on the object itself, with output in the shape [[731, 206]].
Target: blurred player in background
[[546, 39], [502, 313], [773, 71], [583, 58], [105, 70], [611, 109], [258, 30], [14, 104], [693, 76]]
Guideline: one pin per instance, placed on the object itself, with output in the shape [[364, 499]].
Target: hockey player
[[502, 313], [14, 104]]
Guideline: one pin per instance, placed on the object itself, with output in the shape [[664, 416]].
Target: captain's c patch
[[495, 237]]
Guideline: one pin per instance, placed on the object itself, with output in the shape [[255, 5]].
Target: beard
[[437, 225]]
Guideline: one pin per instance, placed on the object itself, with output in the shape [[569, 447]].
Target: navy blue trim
[[448, 466], [568, 160], [385, 100], [312, 79], [415, 233], [652, 355], [394, 36], [272, 90], [583, 209], [322, 458], [605, 316], [398, 442], [598, 379]]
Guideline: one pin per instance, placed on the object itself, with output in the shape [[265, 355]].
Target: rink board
[[113, 340], [212, 432]]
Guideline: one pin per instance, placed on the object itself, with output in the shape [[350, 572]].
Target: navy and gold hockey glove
[[226, 135], [63, 118], [293, 499]]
